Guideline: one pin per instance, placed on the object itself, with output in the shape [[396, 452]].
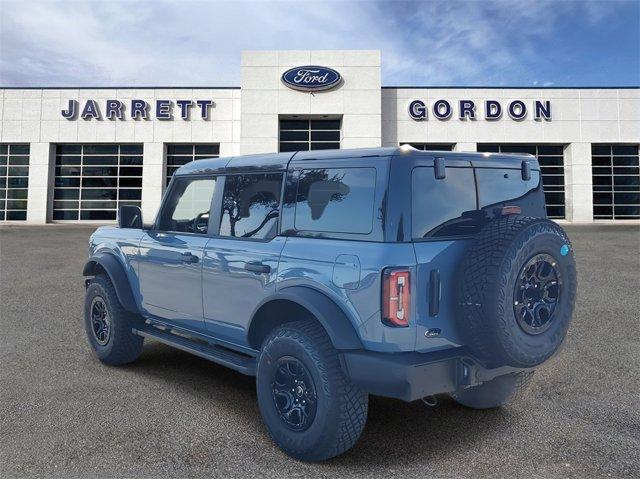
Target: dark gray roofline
[[429, 87]]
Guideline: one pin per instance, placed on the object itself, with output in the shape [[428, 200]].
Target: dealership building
[[75, 154]]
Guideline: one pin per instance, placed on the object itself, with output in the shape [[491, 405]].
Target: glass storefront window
[[14, 182], [92, 180]]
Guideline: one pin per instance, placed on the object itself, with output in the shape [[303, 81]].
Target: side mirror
[[129, 217]]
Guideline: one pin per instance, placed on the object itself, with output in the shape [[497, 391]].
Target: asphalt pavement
[[63, 414]]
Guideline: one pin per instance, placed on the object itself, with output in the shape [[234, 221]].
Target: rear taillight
[[396, 297]]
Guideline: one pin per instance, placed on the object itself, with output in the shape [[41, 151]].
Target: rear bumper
[[411, 376]]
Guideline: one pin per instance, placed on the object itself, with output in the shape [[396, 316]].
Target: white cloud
[[198, 43]]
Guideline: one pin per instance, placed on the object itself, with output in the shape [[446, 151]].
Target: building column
[[465, 147], [578, 183], [153, 178], [41, 165]]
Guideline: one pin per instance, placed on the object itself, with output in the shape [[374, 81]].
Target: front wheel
[[108, 324], [311, 410]]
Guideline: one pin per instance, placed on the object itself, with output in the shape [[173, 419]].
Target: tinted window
[[500, 185], [444, 207], [187, 208], [250, 205], [336, 200], [551, 160]]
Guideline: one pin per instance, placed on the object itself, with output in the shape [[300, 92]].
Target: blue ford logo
[[311, 78]]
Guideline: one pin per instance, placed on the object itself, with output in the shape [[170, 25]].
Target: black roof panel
[[280, 161]]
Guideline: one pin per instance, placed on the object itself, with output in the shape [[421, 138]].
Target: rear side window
[[445, 207], [336, 200], [250, 205], [499, 185]]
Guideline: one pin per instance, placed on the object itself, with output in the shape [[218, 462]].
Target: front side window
[[250, 205], [443, 207], [187, 209], [336, 200]]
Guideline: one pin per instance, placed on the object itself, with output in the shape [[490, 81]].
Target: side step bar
[[237, 361]]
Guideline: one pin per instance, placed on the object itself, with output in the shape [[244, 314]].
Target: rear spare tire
[[517, 291]]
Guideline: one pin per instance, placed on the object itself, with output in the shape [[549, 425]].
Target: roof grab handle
[[439, 168], [526, 170]]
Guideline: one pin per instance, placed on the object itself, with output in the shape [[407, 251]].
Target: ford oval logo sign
[[311, 78]]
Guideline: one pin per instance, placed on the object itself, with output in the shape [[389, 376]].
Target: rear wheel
[[311, 410], [495, 393], [108, 325]]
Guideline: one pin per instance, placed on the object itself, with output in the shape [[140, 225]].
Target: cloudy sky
[[186, 43]]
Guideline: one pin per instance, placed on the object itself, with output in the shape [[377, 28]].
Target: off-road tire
[[123, 346], [495, 393], [341, 406], [489, 274]]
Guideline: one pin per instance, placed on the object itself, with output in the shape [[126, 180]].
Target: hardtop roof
[[281, 161]]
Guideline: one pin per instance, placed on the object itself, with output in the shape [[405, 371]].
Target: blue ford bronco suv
[[331, 275]]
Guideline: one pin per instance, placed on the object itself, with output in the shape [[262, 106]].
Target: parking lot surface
[[63, 414]]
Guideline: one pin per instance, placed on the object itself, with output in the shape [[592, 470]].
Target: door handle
[[435, 291], [257, 267], [188, 257]]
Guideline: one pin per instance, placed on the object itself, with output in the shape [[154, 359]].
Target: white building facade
[[76, 154]]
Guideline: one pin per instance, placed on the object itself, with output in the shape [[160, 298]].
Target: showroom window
[[179, 154], [304, 135], [92, 180], [431, 146], [14, 182], [616, 182], [551, 159]]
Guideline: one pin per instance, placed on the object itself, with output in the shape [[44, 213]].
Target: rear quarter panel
[[324, 264]]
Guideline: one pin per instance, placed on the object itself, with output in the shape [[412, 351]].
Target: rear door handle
[[188, 257], [257, 267]]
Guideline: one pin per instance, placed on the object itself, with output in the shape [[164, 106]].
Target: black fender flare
[[336, 323], [117, 275]]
